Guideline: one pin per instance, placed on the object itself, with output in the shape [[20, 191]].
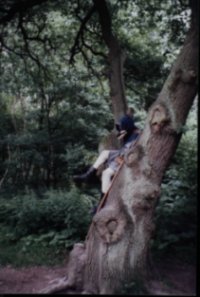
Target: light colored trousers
[[107, 174]]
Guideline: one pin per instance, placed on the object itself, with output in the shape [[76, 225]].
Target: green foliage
[[56, 211], [46, 155], [53, 223], [149, 33], [53, 113], [176, 214], [27, 252]]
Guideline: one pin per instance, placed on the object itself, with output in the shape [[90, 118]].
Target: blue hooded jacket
[[127, 123]]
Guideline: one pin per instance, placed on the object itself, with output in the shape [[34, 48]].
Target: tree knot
[[182, 75], [134, 155], [109, 225], [159, 118]]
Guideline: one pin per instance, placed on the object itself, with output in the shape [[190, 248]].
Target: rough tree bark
[[116, 247], [116, 60]]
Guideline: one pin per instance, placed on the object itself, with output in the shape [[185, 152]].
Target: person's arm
[[117, 126], [121, 134], [122, 123]]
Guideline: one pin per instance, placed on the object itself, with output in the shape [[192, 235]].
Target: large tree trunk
[[116, 247], [116, 59]]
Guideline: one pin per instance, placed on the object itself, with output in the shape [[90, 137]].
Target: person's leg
[[106, 179], [99, 161]]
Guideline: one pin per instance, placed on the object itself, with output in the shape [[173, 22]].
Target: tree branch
[[96, 53], [194, 5], [105, 21], [19, 7], [80, 32], [27, 47]]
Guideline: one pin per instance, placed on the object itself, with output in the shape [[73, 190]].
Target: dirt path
[[169, 279], [28, 280]]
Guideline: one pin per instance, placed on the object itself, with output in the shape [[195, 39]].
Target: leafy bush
[[40, 230], [176, 214], [27, 251], [57, 211]]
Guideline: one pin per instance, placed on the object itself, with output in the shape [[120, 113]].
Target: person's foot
[[94, 210], [85, 176]]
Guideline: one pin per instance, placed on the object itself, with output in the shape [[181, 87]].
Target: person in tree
[[126, 127], [128, 133]]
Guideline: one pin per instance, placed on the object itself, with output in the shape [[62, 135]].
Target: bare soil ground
[[169, 278]]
